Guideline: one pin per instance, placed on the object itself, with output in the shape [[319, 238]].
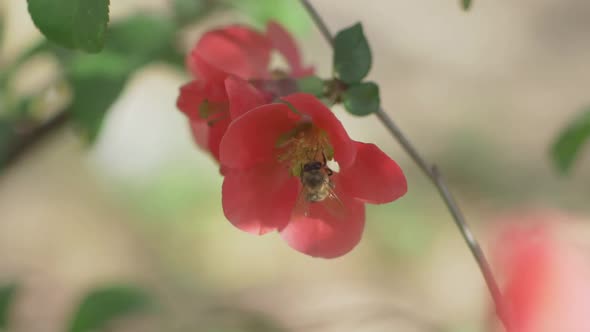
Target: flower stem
[[432, 172]]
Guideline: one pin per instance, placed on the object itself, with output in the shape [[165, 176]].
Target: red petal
[[251, 138], [242, 96], [546, 280], [238, 50], [191, 96], [204, 70], [200, 132], [322, 117], [323, 234], [208, 136], [194, 93], [283, 42], [373, 177], [259, 200]]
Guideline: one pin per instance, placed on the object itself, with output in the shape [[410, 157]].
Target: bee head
[[312, 166]]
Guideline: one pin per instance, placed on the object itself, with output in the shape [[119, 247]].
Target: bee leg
[[329, 171]]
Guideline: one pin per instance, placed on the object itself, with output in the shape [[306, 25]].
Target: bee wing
[[301, 205], [334, 205]]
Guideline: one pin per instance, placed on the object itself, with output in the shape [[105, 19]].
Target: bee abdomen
[[316, 196]]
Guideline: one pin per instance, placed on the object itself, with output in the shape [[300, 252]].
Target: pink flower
[[276, 177], [546, 282], [230, 51]]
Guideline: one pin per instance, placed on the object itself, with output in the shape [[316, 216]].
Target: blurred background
[[482, 93]]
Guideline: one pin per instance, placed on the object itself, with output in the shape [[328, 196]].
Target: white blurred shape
[[144, 132]]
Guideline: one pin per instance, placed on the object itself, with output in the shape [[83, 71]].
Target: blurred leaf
[[362, 99], [141, 37], [352, 55], [104, 305], [97, 81], [312, 85], [189, 11], [466, 4], [78, 24], [287, 12], [6, 297], [566, 148]]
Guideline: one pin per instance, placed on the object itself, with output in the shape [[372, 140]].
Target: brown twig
[[431, 171], [29, 138]]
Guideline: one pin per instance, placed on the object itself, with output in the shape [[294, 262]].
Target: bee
[[315, 178], [316, 187]]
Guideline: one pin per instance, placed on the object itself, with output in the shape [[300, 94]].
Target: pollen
[[303, 144]]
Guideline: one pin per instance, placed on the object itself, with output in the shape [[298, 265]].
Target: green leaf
[[6, 297], [78, 24], [288, 13], [97, 82], [104, 305], [362, 99], [312, 85], [352, 55], [466, 4], [566, 148]]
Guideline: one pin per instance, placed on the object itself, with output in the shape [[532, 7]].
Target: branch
[[431, 171], [28, 139]]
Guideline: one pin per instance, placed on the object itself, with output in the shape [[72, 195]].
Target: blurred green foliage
[[98, 80], [77, 24], [289, 13], [403, 230], [466, 4], [571, 140], [7, 294], [174, 192], [103, 305], [190, 11], [128, 38], [312, 85]]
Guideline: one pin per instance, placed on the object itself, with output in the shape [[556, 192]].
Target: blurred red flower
[[276, 177], [231, 51], [546, 282]]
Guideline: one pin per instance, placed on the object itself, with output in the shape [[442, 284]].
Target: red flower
[[270, 151], [547, 283], [234, 50]]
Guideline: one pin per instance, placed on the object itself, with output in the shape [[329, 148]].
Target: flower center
[[303, 144], [213, 112]]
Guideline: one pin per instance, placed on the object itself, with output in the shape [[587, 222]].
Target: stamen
[[303, 144], [213, 112]]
